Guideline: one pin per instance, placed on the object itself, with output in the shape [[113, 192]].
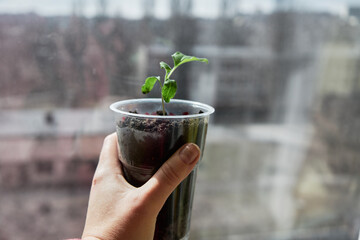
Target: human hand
[[118, 210]]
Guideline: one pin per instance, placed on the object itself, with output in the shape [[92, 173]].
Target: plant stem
[[167, 76], [172, 70], [163, 105], [162, 99]]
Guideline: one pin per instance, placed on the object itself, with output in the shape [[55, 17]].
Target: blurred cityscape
[[283, 151]]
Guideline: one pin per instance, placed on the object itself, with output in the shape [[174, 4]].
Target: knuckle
[[96, 180], [171, 176], [99, 176]]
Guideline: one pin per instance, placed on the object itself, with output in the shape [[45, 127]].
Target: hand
[[118, 210]]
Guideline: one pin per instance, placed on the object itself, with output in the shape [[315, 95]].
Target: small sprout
[[168, 87]]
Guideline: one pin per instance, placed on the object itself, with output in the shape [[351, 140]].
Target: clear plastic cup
[[147, 140]]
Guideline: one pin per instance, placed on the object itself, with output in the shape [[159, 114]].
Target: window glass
[[282, 156]]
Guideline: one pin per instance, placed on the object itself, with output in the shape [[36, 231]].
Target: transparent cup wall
[[147, 140]]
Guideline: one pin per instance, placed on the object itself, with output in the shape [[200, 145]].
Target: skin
[[116, 209]]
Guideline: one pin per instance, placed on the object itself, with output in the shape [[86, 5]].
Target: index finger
[[109, 154]]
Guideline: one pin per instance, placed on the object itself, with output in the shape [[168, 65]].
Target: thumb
[[171, 174]]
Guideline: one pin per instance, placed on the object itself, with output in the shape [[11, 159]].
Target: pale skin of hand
[[116, 209]]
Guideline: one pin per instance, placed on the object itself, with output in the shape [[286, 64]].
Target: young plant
[[168, 87]]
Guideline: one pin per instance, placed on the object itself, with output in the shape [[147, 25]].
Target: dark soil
[[145, 144]]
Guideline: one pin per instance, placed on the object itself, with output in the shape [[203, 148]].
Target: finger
[[109, 154], [171, 174]]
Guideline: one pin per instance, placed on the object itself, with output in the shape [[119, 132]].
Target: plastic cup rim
[[209, 108]]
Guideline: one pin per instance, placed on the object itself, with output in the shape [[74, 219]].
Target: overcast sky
[[134, 9]]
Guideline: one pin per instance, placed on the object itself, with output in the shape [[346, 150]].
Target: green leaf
[[149, 84], [169, 90], [180, 58], [165, 66], [177, 58]]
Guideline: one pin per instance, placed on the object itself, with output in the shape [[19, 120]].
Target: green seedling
[[168, 87]]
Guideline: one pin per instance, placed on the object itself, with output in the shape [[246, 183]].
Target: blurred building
[[51, 148], [286, 95]]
